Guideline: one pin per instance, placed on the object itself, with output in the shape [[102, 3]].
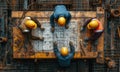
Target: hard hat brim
[[88, 26], [35, 26], [61, 21]]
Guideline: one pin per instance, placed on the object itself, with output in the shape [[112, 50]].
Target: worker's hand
[[86, 39], [54, 43], [41, 38], [66, 26], [71, 43], [42, 29], [52, 29], [82, 29]]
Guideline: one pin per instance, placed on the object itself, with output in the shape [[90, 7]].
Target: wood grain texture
[[80, 17]]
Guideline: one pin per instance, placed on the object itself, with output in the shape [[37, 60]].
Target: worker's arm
[[68, 19], [52, 23], [72, 51], [56, 51], [85, 24], [36, 21], [72, 48], [95, 36], [37, 38]]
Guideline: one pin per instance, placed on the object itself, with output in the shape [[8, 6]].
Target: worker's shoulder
[[60, 6]]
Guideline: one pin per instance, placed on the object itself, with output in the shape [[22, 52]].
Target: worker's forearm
[[35, 38], [95, 36], [55, 49], [52, 20], [86, 23], [68, 19], [36, 21], [72, 48], [72, 52]]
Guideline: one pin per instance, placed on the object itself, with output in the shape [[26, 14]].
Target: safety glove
[[41, 38], [55, 43], [52, 29], [66, 26], [42, 29], [71, 43]]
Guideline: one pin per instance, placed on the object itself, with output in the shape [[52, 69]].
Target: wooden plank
[[19, 50], [51, 55], [47, 14], [88, 34], [79, 17], [100, 46], [101, 39]]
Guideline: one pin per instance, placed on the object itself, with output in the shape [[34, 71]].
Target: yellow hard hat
[[64, 51], [93, 24], [31, 24], [61, 21]]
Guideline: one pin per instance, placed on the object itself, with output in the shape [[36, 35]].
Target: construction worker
[[30, 23], [95, 26], [64, 56], [60, 16], [27, 25]]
